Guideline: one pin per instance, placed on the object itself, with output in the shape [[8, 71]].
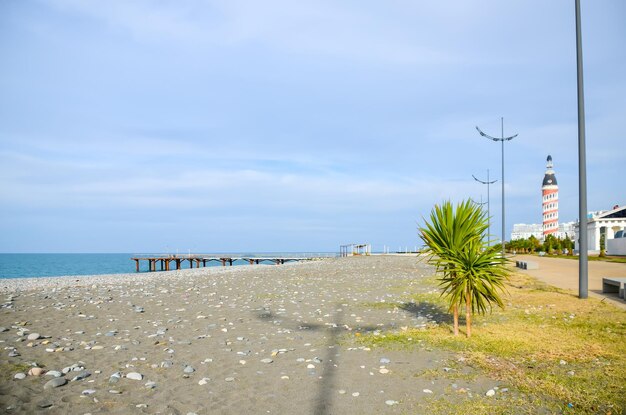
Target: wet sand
[[249, 339]]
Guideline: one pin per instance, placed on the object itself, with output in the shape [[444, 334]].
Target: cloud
[[343, 31], [115, 184]]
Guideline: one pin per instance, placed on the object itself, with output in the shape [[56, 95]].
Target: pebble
[[391, 402], [54, 373], [267, 360], [20, 376], [342, 391], [427, 391], [150, 385], [203, 381], [490, 392], [134, 376], [229, 379], [82, 375], [385, 361], [384, 371], [115, 392], [189, 369], [44, 404], [36, 371], [355, 394], [33, 336], [55, 383], [310, 366], [88, 392]]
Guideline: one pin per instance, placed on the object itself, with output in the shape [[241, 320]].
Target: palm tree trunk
[[455, 312], [468, 313]]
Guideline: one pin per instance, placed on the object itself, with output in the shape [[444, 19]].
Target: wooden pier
[[171, 262]]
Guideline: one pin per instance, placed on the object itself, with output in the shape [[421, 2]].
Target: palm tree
[[472, 273]]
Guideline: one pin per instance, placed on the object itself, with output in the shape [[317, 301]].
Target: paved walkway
[[563, 273]]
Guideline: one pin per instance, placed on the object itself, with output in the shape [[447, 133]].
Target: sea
[[56, 265]]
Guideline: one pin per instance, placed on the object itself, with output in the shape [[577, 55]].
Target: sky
[[237, 126]]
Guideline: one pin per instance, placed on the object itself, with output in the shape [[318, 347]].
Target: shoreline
[[64, 281]]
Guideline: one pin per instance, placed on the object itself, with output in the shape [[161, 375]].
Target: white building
[[567, 230], [610, 223], [525, 231]]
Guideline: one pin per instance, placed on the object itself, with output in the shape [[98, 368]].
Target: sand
[[249, 339]]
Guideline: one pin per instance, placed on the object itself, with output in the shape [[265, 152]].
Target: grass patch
[[566, 354], [479, 406], [379, 305], [8, 370], [608, 258]]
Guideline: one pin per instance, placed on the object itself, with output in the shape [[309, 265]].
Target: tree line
[[551, 245]]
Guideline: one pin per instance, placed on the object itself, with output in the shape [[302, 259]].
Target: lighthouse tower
[[550, 193]]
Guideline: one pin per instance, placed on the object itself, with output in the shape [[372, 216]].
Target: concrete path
[[563, 273]]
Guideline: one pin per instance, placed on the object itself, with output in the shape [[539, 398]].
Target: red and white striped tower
[[550, 193]]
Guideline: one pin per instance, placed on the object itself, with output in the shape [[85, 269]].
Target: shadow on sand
[[430, 311], [323, 400]]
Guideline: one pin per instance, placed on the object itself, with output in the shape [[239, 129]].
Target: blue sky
[[146, 126]]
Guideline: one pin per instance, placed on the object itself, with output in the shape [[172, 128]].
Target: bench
[[526, 265], [614, 285]]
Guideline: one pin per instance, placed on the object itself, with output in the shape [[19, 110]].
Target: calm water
[[54, 265]]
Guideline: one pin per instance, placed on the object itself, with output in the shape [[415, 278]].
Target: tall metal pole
[[488, 183], [503, 214], [582, 166], [489, 204], [503, 139]]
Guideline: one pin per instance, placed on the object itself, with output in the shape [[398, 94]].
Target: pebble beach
[[223, 340]]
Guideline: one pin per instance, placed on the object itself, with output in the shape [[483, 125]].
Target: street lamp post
[[582, 166], [502, 140], [488, 183]]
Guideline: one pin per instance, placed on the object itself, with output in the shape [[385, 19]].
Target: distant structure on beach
[[550, 199], [355, 249]]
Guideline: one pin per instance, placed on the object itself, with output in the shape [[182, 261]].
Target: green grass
[[8, 370], [479, 405], [524, 345], [379, 305], [608, 258]]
